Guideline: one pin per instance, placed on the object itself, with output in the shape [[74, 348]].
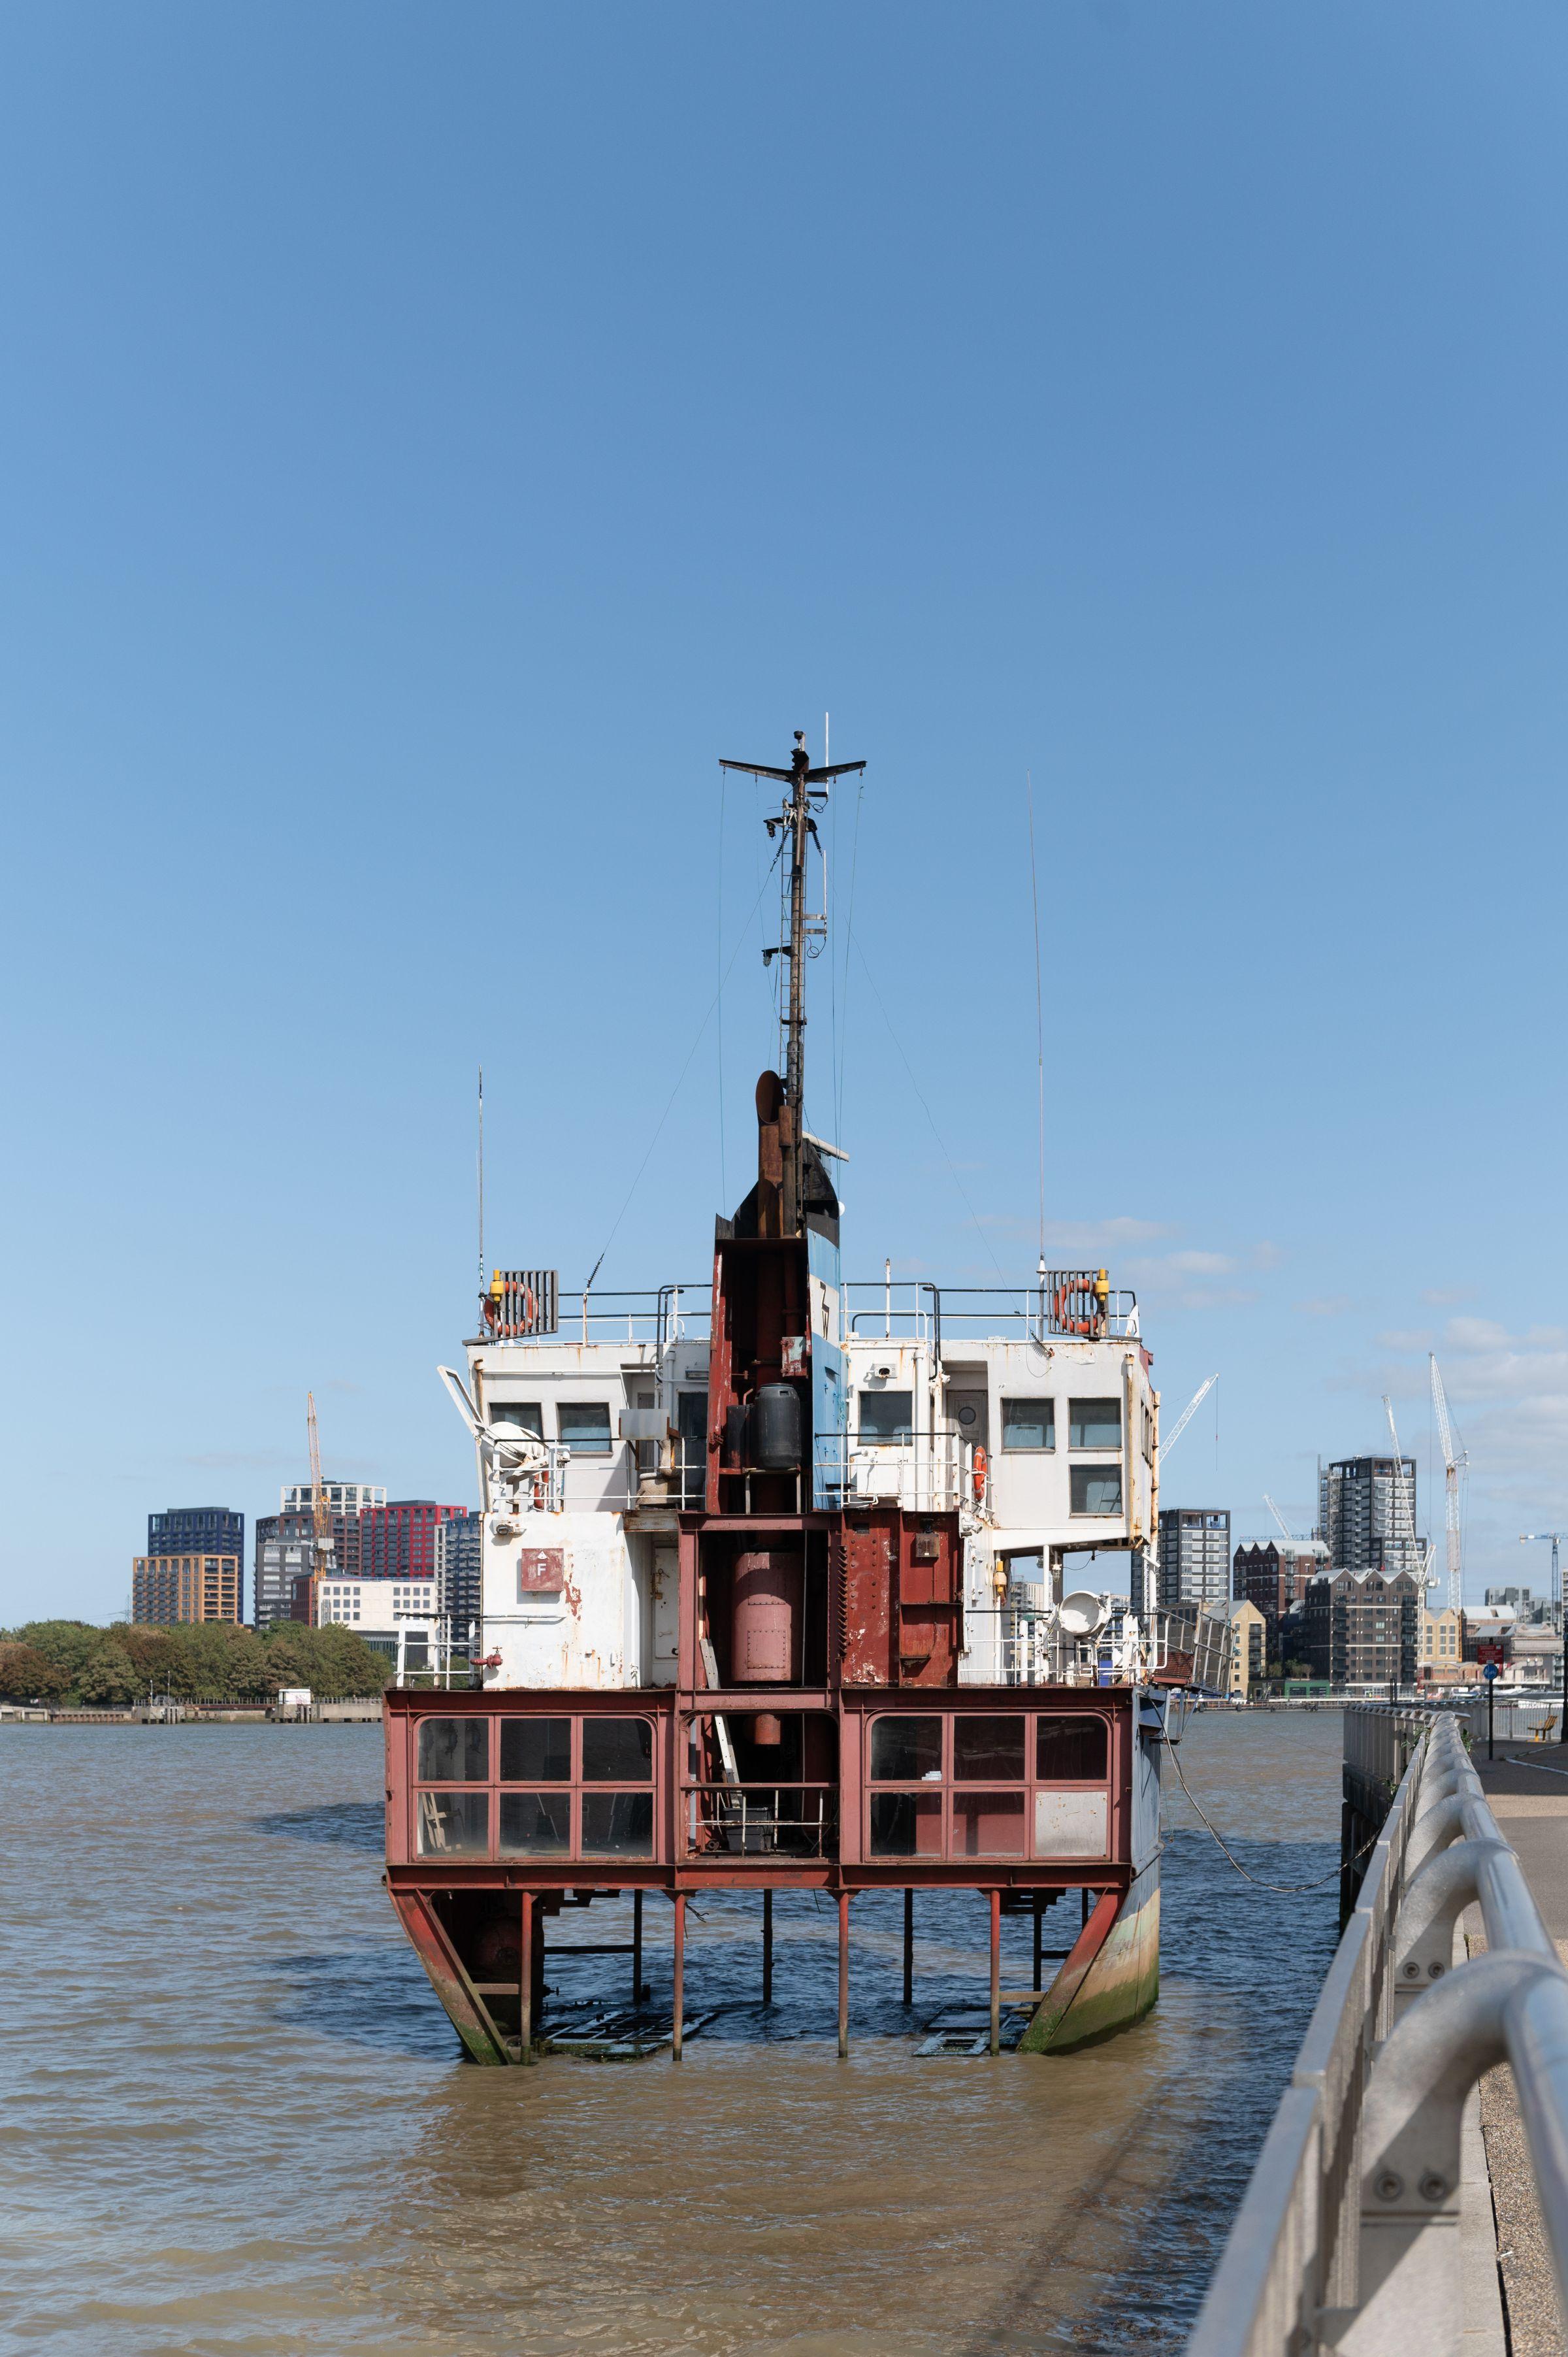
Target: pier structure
[[772, 1599]]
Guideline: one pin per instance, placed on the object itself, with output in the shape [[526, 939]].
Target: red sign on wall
[[1489, 1648], [542, 1571]]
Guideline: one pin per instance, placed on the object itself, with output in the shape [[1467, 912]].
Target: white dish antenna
[[1083, 1614]]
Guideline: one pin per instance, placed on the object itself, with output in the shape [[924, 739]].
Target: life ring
[[530, 1306], [1065, 1322], [981, 1468]]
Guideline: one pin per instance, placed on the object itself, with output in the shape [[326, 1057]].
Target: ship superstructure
[[773, 1597]]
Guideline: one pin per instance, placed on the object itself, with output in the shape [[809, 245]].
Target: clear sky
[[431, 436]]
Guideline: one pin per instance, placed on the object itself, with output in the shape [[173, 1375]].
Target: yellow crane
[[321, 1552]]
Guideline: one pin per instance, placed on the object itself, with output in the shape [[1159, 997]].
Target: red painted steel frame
[[668, 1707]]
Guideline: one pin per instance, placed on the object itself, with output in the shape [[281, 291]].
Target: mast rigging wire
[[686, 1066], [936, 1133], [1039, 1004]]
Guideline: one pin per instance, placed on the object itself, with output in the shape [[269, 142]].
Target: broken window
[[454, 1750], [453, 1824], [1096, 1490]]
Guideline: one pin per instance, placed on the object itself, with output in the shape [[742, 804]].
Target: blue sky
[[432, 436]]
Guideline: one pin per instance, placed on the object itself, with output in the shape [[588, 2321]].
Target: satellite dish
[[1083, 1614]]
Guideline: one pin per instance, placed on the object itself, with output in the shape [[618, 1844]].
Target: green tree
[[28, 1675], [332, 1662], [68, 1644], [108, 1679]]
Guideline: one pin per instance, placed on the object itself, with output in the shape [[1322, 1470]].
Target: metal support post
[[1491, 1710], [1039, 1936], [996, 1896], [636, 1988], [679, 1974], [767, 1947], [909, 1947], [843, 1974], [525, 1978]]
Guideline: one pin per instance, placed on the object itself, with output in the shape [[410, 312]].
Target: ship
[[772, 1601]]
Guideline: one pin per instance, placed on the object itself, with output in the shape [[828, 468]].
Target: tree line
[[75, 1664]]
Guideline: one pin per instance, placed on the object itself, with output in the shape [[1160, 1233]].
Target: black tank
[[777, 1427]]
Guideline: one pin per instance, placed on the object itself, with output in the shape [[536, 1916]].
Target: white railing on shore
[[1348, 2238]]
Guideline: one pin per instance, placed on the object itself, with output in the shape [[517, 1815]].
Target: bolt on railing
[[1347, 2237]]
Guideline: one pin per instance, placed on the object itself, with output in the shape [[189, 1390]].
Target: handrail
[[1347, 2237]]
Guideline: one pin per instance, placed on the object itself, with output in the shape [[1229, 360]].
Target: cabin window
[[536, 1825], [1071, 1751], [906, 1750], [618, 1824], [987, 1824], [887, 1415], [905, 1825], [453, 1824], [585, 1426], [536, 1752], [523, 1415], [1094, 1424], [1028, 1423], [454, 1750], [618, 1751], [1096, 1490], [987, 1750]]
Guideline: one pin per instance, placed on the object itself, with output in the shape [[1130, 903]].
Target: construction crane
[[1184, 1418], [1424, 1571], [1287, 1535], [320, 1515], [1453, 1467]]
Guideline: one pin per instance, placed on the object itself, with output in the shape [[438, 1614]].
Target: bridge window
[[906, 1750], [618, 1751], [987, 1750], [887, 1415], [454, 1750], [618, 1824], [1094, 1424], [1095, 1490], [536, 1824], [584, 1426], [1028, 1423], [536, 1750], [1069, 1751], [523, 1415], [455, 1825]]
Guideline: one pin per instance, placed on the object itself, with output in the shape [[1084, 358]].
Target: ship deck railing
[[1367, 2223], [756, 1820], [1062, 1304]]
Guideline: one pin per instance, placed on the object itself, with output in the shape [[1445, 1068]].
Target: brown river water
[[236, 2121]]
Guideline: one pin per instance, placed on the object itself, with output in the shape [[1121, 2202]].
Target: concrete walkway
[[1527, 1785]]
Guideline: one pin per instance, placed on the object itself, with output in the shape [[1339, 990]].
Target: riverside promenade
[[1527, 1788]]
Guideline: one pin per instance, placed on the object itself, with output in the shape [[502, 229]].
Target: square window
[[618, 1824], [906, 1750], [585, 1426], [454, 1750], [454, 1823], [1069, 1751], [1028, 1423], [987, 1749], [1096, 1490], [988, 1824], [1094, 1424], [536, 1824], [536, 1752], [523, 1415], [618, 1751], [906, 1825], [887, 1416]]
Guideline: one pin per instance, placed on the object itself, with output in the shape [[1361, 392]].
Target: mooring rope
[[1286, 1889]]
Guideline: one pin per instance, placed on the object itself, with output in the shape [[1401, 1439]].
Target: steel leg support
[[843, 1974], [680, 1975]]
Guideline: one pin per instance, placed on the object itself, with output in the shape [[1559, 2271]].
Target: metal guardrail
[[1347, 2239]]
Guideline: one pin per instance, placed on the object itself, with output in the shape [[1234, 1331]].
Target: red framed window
[[578, 1786], [1002, 1784]]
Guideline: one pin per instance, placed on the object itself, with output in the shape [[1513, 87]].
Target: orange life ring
[[980, 1470]]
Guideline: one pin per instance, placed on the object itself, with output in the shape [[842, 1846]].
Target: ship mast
[[806, 786]]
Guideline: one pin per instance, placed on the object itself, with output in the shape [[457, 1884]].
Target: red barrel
[[765, 1633]]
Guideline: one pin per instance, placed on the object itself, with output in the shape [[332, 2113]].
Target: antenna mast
[[796, 821]]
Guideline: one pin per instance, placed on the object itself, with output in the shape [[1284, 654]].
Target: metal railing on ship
[[1063, 1303], [1349, 2236]]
